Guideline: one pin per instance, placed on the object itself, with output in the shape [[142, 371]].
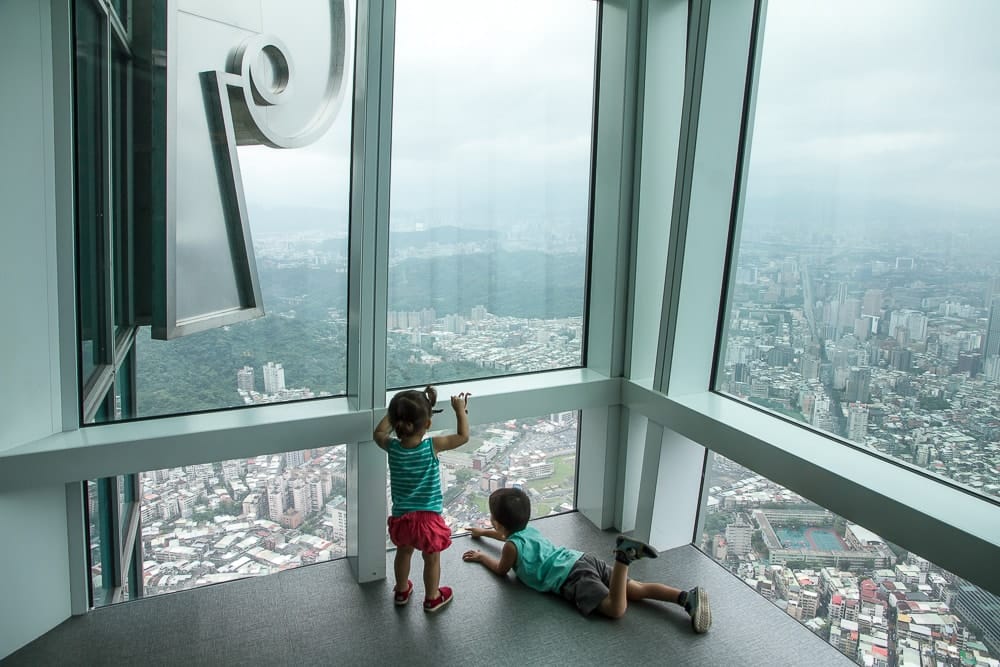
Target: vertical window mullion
[[107, 268], [90, 37]]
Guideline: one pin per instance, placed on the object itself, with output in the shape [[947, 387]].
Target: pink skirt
[[424, 531]]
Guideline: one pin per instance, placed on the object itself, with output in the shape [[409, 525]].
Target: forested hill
[[304, 328], [517, 284], [410, 241], [524, 284], [445, 235]]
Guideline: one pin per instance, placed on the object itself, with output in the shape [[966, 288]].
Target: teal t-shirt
[[415, 478], [541, 564]]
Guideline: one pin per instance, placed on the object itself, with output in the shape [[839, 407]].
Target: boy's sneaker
[[444, 597], [402, 597], [628, 550], [697, 606]]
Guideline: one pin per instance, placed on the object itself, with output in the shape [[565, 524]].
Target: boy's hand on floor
[[472, 556]]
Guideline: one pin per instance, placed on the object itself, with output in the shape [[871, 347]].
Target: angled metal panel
[[229, 78]]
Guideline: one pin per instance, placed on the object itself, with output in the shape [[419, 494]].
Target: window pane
[[91, 134], [297, 203], [537, 455], [872, 600], [864, 295], [215, 522], [103, 505], [94, 548], [491, 155]]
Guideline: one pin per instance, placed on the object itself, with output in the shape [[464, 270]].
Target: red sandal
[[402, 597], [444, 597]]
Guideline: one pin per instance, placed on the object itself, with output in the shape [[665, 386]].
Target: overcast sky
[[864, 107], [867, 111], [492, 111]]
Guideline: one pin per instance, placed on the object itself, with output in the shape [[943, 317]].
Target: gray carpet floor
[[318, 615]]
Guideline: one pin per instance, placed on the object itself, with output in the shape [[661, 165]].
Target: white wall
[[35, 565], [34, 557]]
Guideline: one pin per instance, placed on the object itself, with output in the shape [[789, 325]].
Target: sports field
[[811, 539]]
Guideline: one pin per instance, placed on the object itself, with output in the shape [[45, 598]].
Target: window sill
[[950, 527], [111, 449]]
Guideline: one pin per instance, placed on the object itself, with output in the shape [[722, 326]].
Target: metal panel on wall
[[235, 73]]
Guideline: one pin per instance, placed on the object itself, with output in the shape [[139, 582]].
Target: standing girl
[[416, 522]]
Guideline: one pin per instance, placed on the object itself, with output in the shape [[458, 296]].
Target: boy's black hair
[[511, 508], [409, 411]]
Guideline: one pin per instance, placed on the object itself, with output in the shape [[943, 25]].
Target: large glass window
[[293, 198], [536, 455], [863, 295], [215, 522], [491, 154], [874, 601], [297, 206]]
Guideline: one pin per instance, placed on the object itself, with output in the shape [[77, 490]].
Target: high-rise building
[[991, 369], [738, 537], [872, 303], [908, 325], [991, 348], [301, 499], [859, 385], [294, 459], [454, 323], [982, 609], [275, 502], [970, 362], [317, 495], [900, 359], [992, 291], [252, 506], [274, 378], [232, 469], [857, 423], [244, 379]]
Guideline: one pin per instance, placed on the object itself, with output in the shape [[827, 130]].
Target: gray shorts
[[587, 584]]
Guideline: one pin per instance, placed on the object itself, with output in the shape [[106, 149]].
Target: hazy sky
[[864, 107], [867, 111], [492, 108]]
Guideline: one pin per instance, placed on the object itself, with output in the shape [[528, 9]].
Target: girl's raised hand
[[460, 402]]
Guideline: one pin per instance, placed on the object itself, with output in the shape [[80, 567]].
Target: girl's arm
[[382, 433], [443, 443], [508, 559]]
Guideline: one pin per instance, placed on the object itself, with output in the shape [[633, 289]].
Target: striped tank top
[[415, 478]]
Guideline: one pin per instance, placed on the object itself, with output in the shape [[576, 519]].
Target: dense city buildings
[[896, 355], [873, 601]]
